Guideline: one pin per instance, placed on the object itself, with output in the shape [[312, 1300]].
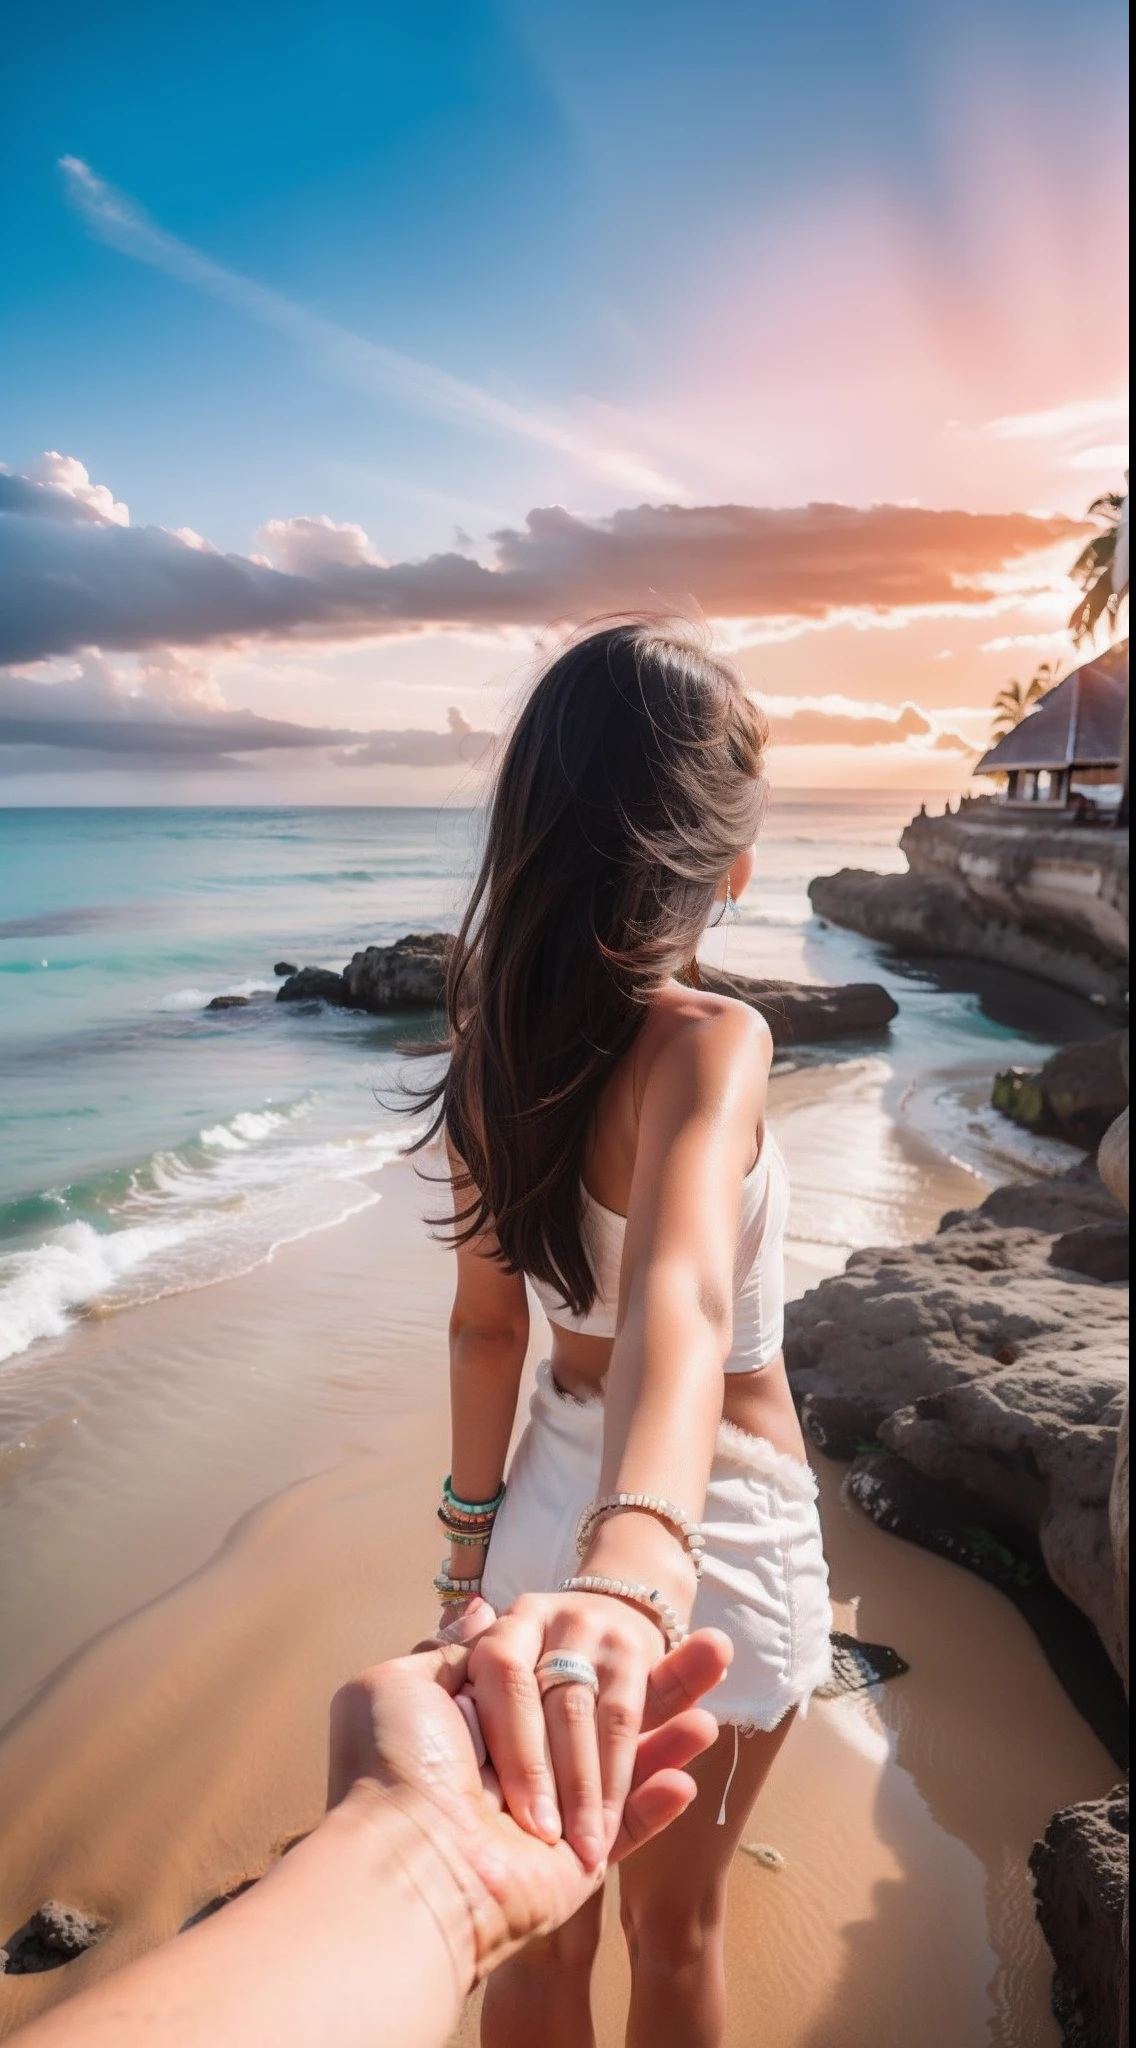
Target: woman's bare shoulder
[[692, 1030]]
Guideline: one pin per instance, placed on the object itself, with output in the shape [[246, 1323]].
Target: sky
[[348, 354]]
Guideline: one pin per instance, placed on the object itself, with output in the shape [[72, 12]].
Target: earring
[[732, 905]]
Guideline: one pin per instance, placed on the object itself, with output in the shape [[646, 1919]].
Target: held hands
[[565, 1753], [399, 1736]]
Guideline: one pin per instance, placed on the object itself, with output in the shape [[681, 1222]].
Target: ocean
[[149, 1145]]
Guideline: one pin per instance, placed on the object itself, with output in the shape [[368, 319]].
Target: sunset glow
[[359, 382]]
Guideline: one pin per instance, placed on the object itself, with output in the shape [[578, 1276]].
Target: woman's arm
[[703, 1104], [489, 1334]]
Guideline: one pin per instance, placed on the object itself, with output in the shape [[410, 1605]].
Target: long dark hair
[[628, 787]]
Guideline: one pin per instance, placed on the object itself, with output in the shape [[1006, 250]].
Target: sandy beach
[[231, 1510]]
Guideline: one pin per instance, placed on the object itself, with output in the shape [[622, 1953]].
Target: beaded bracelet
[[475, 1539], [455, 1589], [687, 1532], [475, 1508], [647, 1599]]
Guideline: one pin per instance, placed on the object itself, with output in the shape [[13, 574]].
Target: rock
[[285, 967], [229, 1003], [410, 975], [1076, 1095], [1112, 1159], [1098, 1250], [1080, 1873], [313, 985], [856, 1665], [765, 1853], [965, 1528], [1043, 896], [986, 1371], [799, 1013], [53, 1936], [1118, 1531]]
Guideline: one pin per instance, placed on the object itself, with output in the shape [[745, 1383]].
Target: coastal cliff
[[1046, 896], [978, 1383]]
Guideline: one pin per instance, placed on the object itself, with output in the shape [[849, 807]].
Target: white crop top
[[759, 1267]]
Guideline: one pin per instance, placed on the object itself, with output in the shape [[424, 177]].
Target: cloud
[[1058, 422], [814, 726], [365, 365], [66, 474], [410, 749], [72, 576], [1112, 455], [302, 547], [168, 714]]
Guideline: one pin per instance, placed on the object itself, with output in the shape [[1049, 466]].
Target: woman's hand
[[566, 1764], [399, 1732]]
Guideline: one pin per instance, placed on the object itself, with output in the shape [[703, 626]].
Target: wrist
[[417, 1849], [450, 1862], [637, 1546]]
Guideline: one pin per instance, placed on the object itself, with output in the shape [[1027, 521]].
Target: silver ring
[[561, 1668]]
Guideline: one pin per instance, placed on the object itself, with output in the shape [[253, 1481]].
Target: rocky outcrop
[[1044, 896], [978, 1388], [410, 975], [803, 1013], [1080, 1872], [1076, 1095]]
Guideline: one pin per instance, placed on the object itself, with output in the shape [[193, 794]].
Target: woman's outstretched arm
[[703, 1104]]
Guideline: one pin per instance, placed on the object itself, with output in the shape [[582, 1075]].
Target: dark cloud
[[97, 715], [97, 721], [817, 728], [70, 578], [410, 749]]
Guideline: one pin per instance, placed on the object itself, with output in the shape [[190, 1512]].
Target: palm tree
[[1092, 570], [1012, 703]]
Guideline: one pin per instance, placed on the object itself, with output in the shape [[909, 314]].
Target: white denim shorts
[[764, 1579]]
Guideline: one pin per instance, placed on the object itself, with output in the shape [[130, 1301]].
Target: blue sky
[[741, 254]]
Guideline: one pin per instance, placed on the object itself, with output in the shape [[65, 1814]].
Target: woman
[[605, 1121]]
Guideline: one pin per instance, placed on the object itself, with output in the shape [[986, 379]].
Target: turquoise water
[[148, 1144]]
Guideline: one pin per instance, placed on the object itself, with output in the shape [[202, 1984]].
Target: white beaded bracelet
[[687, 1532], [647, 1599]]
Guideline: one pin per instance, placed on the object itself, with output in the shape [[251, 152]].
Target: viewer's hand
[[399, 1731]]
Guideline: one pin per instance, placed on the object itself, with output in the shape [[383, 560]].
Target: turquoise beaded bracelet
[[470, 1507]]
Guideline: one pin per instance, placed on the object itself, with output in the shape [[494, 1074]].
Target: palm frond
[[1098, 553], [1100, 601]]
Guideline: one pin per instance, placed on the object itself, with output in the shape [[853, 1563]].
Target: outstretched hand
[[399, 1730]]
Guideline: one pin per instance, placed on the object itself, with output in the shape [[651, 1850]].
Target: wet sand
[[215, 1507]]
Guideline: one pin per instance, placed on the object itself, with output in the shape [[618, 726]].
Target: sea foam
[[192, 1217]]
